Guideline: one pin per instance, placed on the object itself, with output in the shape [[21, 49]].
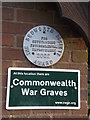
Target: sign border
[[40, 107]]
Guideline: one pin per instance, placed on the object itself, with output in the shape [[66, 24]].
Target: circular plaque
[[43, 46]]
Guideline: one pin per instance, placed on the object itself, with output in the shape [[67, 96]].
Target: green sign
[[37, 88]]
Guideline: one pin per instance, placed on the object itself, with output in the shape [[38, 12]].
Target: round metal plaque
[[43, 46]]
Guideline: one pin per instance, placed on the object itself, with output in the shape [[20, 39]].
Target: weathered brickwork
[[18, 19]]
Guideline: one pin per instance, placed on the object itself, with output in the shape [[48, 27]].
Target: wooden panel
[[78, 13]]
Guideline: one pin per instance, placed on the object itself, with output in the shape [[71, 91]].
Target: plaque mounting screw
[[44, 32], [54, 53], [32, 53]]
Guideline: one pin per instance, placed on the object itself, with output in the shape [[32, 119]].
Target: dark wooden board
[[78, 13]]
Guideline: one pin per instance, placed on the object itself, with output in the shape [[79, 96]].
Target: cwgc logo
[[43, 46]]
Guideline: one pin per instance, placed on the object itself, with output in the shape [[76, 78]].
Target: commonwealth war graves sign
[[32, 88], [43, 46]]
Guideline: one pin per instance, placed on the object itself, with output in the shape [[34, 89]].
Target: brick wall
[[18, 18]]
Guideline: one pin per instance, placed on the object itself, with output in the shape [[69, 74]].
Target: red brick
[[4, 81], [84, 94], [22, 64], [7, 40], [16, 28], [48, 113], [76, 66], [0, 12], [84, 81], [66, 57], [21, 113], [0, 110], [0, 41], [75, 43], [4, 94], [0, 80], [0, 66], [0, 53], [70, 118], [43, 112], [7, 13], [83, 111], [5, 66], [0, 38], [80, 56], [61, 113], [34, 16], [5, 113], [19, 40], [0, 94], [0, 27], [13, 54]]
